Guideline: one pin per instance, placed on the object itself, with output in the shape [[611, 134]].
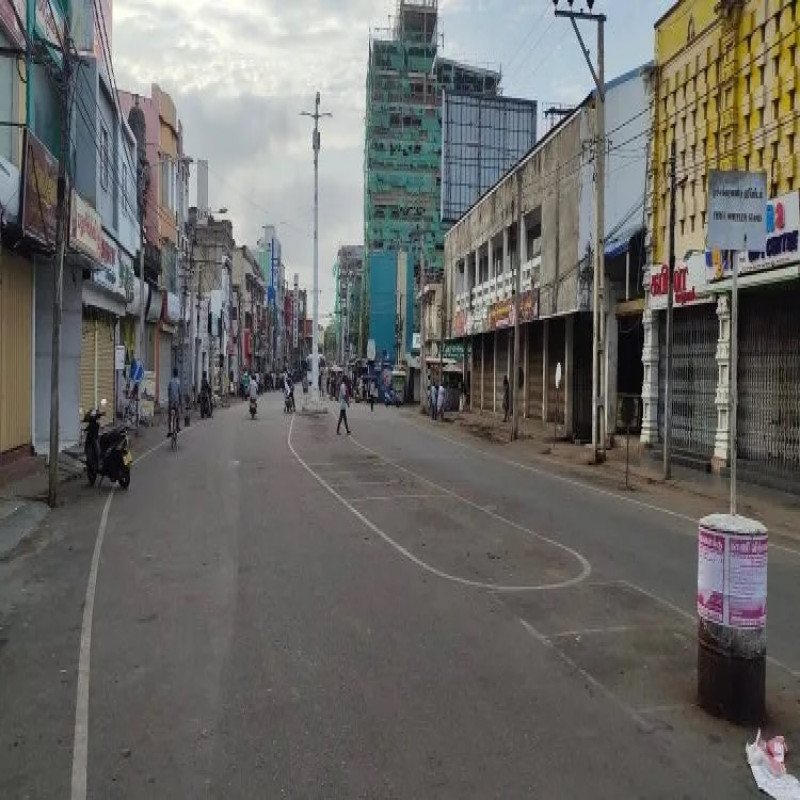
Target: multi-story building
[[725, 94], [349, 276], [165, 216], [212, 249], [268, 252], [248, 318], [547, 245], [403, 147]]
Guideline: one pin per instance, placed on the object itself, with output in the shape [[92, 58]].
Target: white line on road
[[80, 745], [586, 567], [592, 632], [397, 497], [588, 677], [577, 483], [585, 571]]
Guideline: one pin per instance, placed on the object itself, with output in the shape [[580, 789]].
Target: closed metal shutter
[[106, 377], [98, 380], [16, 301], [503, 351], [694, 379], [769, 379], [535, 367], [88, 394], [583, 335]]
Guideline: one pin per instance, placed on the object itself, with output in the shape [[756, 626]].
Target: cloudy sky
[[241, 71]]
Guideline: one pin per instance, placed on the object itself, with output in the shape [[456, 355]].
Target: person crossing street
[[344, 402]]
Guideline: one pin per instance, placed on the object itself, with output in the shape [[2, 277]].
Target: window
[[691, 223], [104, 158], [703, 219], [746, 163], [683, 227], [776, 65], [776, 109], [761, 75]]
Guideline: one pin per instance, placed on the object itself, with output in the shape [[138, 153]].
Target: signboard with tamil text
[[85, 229], [688, 279], [737, 210]]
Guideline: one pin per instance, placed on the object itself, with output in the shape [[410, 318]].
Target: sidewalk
[[691, 493], [24, 484]]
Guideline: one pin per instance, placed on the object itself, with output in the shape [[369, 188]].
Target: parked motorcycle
[[253, 407], [108, 454]]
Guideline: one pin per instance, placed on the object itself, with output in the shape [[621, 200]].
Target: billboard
[[736, 210]]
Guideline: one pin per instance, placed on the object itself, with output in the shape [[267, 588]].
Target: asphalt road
[[283, 612]]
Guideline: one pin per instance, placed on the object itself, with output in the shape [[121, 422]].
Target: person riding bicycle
[[174, 396]]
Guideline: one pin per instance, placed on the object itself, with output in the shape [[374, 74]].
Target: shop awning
[[619, 242]]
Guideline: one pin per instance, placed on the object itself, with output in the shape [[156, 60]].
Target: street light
[[315, 144]]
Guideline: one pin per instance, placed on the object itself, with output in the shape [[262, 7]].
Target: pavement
[[409, 611]]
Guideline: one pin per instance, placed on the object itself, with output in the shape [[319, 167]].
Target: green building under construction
[[403, 142]]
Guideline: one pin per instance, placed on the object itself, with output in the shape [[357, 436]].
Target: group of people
[[436, 396]]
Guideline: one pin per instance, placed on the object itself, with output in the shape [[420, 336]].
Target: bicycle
[[173, 422]]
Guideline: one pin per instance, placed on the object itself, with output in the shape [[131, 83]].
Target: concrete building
[[349, 275], [406, 77], [724, 85], [248, 317], [553, 254], [166, 213], [212, 250], [268, 252]]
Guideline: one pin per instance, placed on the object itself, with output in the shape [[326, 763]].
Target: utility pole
[[62, 216], [517, 286], [315, 143], [670, 281], [599, 386]]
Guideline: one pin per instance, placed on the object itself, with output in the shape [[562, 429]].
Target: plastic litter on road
[[768, 764]]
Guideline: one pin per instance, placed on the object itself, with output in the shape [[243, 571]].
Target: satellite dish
[[558, 375]]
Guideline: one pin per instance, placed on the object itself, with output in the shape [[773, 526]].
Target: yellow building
[[725, 76]]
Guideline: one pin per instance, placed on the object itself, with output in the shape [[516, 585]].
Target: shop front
[[768, 418], [167, 343], [694, 360], [103, 304], [16, 322]]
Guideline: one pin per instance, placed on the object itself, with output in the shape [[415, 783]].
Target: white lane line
[[579, 484], [693, 619], [593, 631], [398, 497], [589, 678], [340, 482], [585, 566], [422, 564], [80, 745]]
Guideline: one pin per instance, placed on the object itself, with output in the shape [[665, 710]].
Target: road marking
[[577, 483], [356, 479], [80, 747], [585, 571], [588, 677], [593, 631], [693, 619], [396, 497], [586, 567]]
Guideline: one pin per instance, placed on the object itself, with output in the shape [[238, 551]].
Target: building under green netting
[[403, 140]]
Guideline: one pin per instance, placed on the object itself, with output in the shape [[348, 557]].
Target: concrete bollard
[[732, 618]]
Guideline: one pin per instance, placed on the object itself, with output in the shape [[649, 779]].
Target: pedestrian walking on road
[[434, 397], [373, 394], [344, 402], [506, 398], [440, 403]]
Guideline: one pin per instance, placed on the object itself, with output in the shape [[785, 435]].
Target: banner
[[39, 192], [85, 229]]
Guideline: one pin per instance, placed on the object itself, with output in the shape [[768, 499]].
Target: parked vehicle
[[108, 454]]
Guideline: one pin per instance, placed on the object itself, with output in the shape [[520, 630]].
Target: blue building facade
[[383, 303]]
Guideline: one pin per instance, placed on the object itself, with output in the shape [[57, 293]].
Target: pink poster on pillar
[[746, 587], [711, 576]]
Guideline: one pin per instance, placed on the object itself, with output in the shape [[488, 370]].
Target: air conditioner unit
[[9, 190]]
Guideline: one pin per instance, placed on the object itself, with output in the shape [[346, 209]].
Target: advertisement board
[[736, 210], [687, 281], [782, 246], [39, 192], [85, 228]]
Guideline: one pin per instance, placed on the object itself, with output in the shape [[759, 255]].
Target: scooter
[[253, 407], [108, 454]]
